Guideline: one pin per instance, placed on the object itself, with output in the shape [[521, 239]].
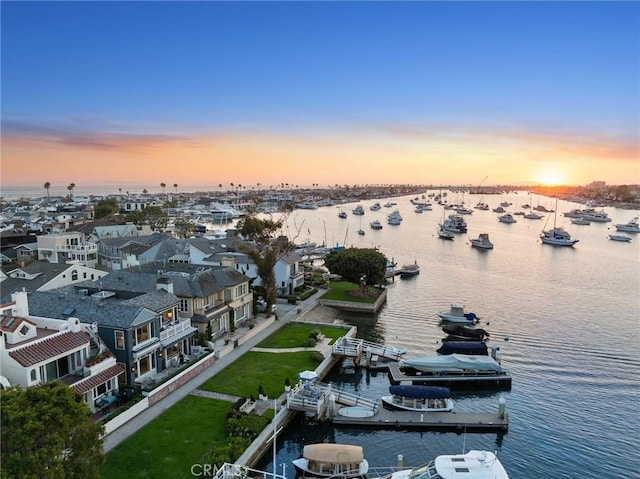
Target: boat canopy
[[463, 347], [453, 362], [333, 453], [420, 392]]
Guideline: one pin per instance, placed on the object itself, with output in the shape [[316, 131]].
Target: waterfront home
[[110, 250], [67, 247], [143, 331], [44, 276], [36, 350]]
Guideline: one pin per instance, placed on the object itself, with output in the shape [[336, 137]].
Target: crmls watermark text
[[204, 470]]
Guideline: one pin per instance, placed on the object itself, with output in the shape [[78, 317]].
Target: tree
[[264, 250], [365, 266], [47, 432], [155, 218], [70, 188], [183, 228], [47, 185], [106, 208]]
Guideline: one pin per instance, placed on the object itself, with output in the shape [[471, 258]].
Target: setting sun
[[551, 177]]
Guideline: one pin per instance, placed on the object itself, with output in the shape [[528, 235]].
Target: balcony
[[85, 248], [175, 332]]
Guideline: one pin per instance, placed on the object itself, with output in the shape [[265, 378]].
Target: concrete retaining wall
[[356, 307]]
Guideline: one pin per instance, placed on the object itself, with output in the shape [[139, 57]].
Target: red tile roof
[[32, 354], [96, 380], [10, 323]]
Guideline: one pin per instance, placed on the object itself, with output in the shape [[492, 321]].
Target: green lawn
[[245, 374], [169, 445], [343, 291], [295, 334]]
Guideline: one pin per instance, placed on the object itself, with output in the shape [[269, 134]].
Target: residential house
[[111, 255], [289, 275], [143, 331], [44, 276], [36, 350], [216, 298], [66, 248]]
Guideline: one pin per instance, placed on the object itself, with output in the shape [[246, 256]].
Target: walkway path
[[286, 313]]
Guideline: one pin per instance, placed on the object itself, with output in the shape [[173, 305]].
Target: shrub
[[314, 333], [310, 343], [317, 356]]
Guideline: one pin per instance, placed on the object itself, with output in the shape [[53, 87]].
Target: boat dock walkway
[[458, 421], [313, 398], [354, 348]]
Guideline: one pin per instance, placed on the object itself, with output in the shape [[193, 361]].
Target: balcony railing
[[176, 330], [88, 247]]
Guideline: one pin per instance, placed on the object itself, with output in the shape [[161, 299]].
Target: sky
[[319, 93]]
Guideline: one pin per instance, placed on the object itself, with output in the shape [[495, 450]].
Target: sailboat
[[443, 233], [361, 231], [557, 236]]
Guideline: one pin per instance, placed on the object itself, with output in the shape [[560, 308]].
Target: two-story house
[[143, 330], [66, 248], [37, 349], [115, 253]]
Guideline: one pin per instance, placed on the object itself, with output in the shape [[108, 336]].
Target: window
[[120, 339], [74, 275], [33, 375], [146, 364], [24, 330], [143, 333], [184, 306]]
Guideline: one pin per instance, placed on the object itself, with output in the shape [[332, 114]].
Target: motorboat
[[482, 241], [557, 236], [580, 221], [532, 215], [409, 270], [507, 218], [360, 232], [499, 209], [375, 225], [620, 238], [597, 216], [375, 207], [460, 331], [456, 314], [631, 227], [328, 460], [342, 214], [418, 398], [481, 206], [358, 210], [474, 348], [454, 224], [444, 234], [394, 218], [452, 364], [474, 464]]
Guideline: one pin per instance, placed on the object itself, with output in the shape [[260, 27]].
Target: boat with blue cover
[[418, 398]]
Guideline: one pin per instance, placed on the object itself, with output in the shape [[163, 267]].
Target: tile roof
[[9, 326], [96, 380], [35, 353]]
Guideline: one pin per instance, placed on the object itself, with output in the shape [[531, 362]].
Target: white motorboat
[[482, 241], [472, 465], [631, 227], [454, 224], [329, 460], [418, 398], [375, 225], [358, 210], [444, 234], [532, 215], [580, 221], [375, 207], [499, 209], [453, 364], [597, 216], [620, 238], [409, 270], [457, 315], [507, 218], [557, 236], [394, 218]]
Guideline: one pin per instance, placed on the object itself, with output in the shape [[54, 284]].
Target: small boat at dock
[[456, 314], [325, 460], [463, 332], [418, 398]]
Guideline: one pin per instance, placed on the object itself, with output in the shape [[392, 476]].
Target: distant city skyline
[[305, 93]]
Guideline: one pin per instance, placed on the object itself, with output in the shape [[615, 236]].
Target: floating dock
[[498, 381], [456, 421]]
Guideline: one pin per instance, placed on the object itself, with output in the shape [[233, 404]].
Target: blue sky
[[354, 73]]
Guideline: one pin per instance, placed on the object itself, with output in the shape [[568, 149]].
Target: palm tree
[[175, 186], [70, 188], [47, 185], [163, 186]]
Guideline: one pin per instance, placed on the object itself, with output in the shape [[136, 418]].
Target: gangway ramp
[[312, 397], [354, 348]]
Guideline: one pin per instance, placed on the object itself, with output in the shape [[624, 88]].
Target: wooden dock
[[497, 381], [456, 421]]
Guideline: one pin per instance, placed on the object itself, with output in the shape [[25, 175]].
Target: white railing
[[175, 330]]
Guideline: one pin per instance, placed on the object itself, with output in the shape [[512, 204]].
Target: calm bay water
[[566, 320]]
